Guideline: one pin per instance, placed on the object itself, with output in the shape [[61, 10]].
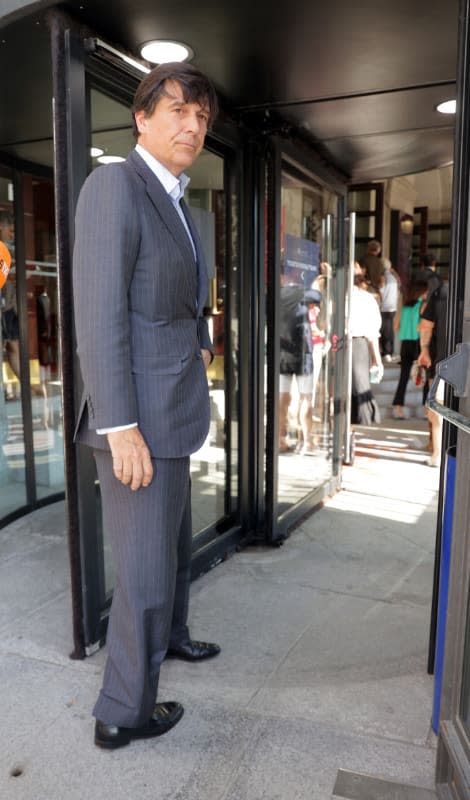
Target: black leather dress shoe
[[164, 717], [193, 651]]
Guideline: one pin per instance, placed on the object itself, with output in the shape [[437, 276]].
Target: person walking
[[374, 266], [296, 359], [364, 329], [433, 348], [140, 285], [388, 309], [407, 323]]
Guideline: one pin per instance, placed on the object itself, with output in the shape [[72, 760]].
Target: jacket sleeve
[[107, 236], [205, 340]]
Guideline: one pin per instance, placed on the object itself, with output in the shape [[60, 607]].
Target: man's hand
[[206, 357], [131, 458], [424, 359], [425, 328]]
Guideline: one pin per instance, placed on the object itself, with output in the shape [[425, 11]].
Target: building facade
[[269, 206]]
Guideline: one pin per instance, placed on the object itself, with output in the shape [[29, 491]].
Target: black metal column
[[66, 188]]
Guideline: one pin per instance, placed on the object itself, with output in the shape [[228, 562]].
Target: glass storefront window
[[43, 340], [306, 315], [31, 455], [12, 451], [212, 465]]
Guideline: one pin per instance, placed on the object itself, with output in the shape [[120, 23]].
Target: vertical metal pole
[[348, 339], [339, 349], [327, 255], [273, 533]]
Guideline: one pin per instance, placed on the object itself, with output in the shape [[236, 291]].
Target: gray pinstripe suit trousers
[[151, 536]]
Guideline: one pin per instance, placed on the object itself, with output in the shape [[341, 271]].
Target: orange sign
[[5, 263]]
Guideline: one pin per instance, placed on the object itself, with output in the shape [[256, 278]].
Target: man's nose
[[193, 123]]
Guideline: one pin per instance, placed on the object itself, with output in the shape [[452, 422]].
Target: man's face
[[174, 134]]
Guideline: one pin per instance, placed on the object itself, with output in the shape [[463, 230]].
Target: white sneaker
[[388, 359]]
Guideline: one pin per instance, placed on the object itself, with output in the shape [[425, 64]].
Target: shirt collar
[[173, 186]]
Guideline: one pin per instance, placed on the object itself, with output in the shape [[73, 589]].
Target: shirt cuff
[[118, 428]]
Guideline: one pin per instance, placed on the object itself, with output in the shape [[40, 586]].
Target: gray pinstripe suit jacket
[[138, 296]]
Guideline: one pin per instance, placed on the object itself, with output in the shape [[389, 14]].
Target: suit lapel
[[162, 203], [201, 261]]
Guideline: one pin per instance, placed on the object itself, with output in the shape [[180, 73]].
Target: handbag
[[418, 374]]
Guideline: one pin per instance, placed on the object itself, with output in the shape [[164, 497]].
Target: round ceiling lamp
[[447, 107], [162, 51], [96, 151]]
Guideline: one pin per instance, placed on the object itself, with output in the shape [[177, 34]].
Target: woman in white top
[[364, 325]]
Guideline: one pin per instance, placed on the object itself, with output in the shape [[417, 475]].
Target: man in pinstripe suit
[[140, 284]]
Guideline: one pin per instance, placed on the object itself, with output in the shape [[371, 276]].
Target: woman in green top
[[407, 321]]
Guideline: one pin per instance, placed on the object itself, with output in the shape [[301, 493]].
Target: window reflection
[[43, 341], [12, 463], [212, 465], [306, 317]]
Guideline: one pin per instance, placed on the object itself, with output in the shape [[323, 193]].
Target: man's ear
[[140, 121]]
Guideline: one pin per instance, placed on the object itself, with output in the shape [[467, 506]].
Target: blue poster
[[301, 259]]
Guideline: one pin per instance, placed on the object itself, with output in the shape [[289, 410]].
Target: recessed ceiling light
[[110, 159], [448, 107], [96, 151], [161, 51]]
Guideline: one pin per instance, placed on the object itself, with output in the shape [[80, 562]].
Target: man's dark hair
[[197, 88]]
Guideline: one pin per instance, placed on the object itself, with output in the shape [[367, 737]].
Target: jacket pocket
[[158, 365]]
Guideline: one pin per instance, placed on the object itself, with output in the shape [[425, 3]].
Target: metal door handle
[[453, 370]]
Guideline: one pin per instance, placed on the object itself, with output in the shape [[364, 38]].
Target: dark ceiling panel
[[337, 70], [381, 113], [391, 155], [26, 89]]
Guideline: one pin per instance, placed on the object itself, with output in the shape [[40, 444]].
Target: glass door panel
[[43, 341], [307, 292], [215, 492], [12, 450]]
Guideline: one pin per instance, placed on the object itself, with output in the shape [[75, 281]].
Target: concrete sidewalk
[[323, 666]]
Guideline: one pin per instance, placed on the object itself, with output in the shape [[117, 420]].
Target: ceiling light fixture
[[447, 107], [161, 51], [96, 151]]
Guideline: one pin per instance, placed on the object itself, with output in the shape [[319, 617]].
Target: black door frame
[[282, 154]]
